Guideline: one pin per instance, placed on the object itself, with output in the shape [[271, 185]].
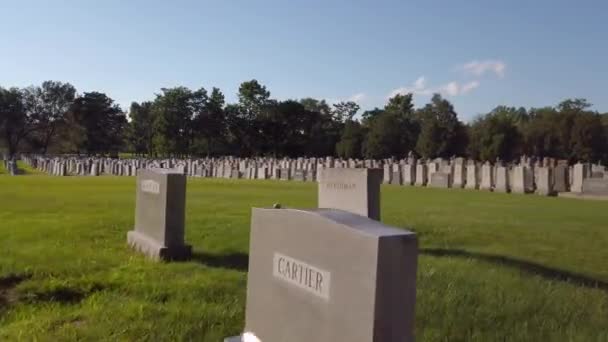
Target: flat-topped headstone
[[160, 215], [329, 276], [595, 186], [441, 180], [353, 190]]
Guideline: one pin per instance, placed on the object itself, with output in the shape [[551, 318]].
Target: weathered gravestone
[[160, 215], [353, 190], [595, 186], [544, 185], [441, 180], [329, 276], [502, 182]]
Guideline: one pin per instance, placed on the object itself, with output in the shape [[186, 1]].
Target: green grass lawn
[[493, 267]]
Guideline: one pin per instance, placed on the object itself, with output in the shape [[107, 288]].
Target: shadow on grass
[[63, 294], [7, 285], [522, 265], [233, 261]]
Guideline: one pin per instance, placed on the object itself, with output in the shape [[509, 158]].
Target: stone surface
[[544, 186], [595, 186], [579, 173], [441, 180], [560, 178], [522, 180], [472, 176], [421, 174], [160, 215], [353, 190], [487, 177], [329, 276], [502, 180]]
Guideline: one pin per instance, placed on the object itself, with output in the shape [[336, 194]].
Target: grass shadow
[[523, 265], [233, 261], [63, 294], [7, 285]]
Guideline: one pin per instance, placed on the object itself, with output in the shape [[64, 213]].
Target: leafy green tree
[[496, 135], [48, 105], [441, 134], [15, 123], [97, 124], [253, 98], [141, 127], [351, 142], [174, 111], [345, 111], [588, 140]]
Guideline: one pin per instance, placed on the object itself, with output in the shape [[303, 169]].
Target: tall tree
[[351, 141], [97, 124], [345, 111], [48, 105], [141, 127], [496, 135], [15, 123], [439, 123]]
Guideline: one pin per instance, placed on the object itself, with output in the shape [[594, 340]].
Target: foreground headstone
[[329, 276], [353, 190], [160, 215], [441, 180]]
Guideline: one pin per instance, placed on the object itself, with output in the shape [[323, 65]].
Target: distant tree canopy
[[180, 121]]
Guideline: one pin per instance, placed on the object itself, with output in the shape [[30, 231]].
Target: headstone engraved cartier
[[354, 190], [329, 275], [160, 214]]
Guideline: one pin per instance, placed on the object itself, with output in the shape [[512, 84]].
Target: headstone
[[523, 181], [353, 190], [544, 186], [285, 174], [487, 177], [409, 174], [579, 173], [329, 276], [396, 178], [472, 176], [502, 183], [595, 186], [560, 178], [459, 179], [160, 215], [421, 174], [441, 180]]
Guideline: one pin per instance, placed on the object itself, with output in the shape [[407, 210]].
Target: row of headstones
[[329, 274], [546, 177]]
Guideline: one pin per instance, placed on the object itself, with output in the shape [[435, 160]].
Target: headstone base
[[156, 251]]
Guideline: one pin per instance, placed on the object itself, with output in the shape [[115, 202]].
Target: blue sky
[[478, 54]]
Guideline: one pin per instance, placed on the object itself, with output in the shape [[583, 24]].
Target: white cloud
[[479, 68], [419, 87], [357, 98], [467, 87]]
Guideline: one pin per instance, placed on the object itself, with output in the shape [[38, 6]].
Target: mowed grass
[[492, 267]]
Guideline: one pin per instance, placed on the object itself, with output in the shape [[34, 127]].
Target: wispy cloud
[[479, 68], [357, 98], [420, 87]]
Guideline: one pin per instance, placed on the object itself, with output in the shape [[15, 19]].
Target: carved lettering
[[150, 186], [340, 186], [302, 275]]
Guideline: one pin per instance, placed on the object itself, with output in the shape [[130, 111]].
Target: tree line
[[55, 118]]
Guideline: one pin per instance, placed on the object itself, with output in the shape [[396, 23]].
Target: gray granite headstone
[[160, 215], [595, 186], [354, 190], [441, 180], [329, 276]]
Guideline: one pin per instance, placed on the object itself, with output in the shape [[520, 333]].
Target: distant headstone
[[523, 182], [409, 173], [329, 276], [560, 178], [544, 186], [421, 170], [579, 173], [472, 176], [396, 178], [487, 177], [459, 175], [595, 186], [441, 180], [502, 183], [353, 190], [160, 215]]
